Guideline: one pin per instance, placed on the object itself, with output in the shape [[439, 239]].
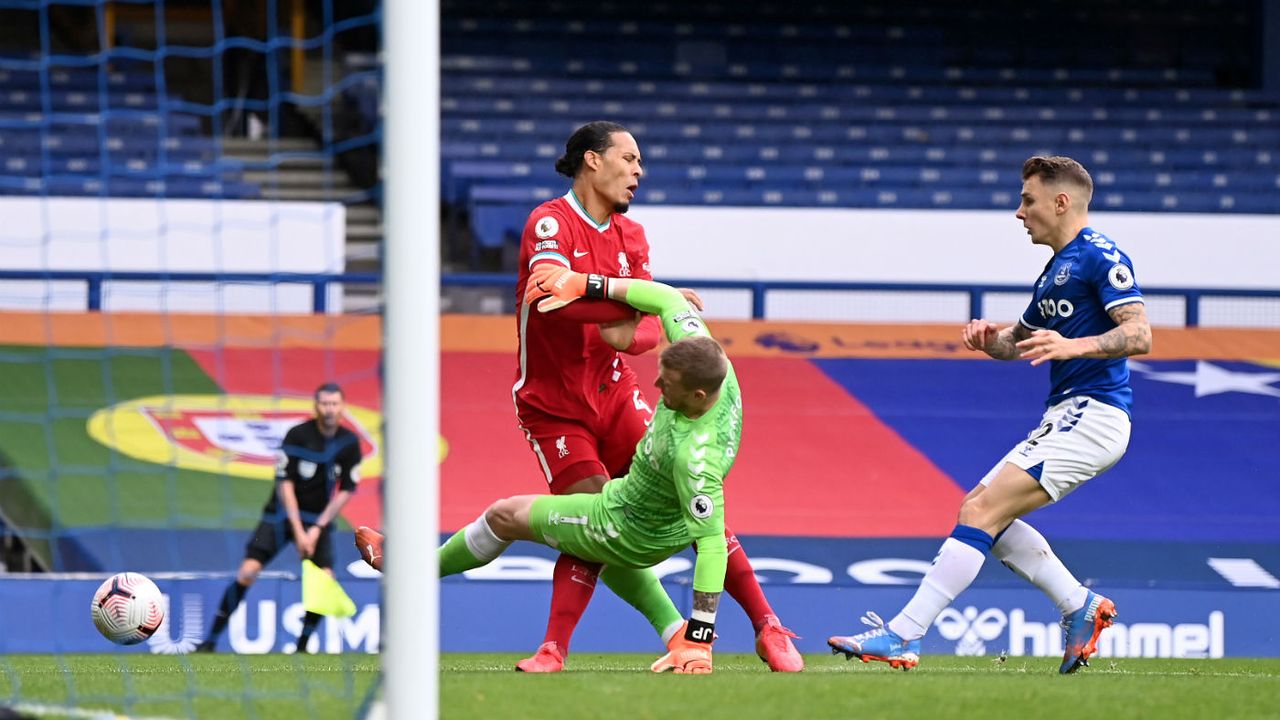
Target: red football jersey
[[565, 367]]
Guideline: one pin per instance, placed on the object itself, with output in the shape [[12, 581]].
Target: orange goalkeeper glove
[[560, 286], [684, 656]]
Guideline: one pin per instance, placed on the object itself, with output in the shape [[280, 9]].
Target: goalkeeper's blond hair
[[700, 361]]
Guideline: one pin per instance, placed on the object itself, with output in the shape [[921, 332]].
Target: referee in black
[[315, 476]]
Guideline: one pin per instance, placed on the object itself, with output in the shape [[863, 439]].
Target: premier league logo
[[701, 506], [1121, 277], [546, 227]]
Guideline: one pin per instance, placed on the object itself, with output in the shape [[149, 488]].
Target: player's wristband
[[700, 631], [597, 287]]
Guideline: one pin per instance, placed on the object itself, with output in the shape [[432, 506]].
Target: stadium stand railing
[[758, 290]]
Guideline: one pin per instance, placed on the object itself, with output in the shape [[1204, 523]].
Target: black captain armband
[[700, 631], [597, 287]]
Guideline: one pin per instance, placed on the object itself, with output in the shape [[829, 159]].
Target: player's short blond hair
[[700, 361], [1057, 169]]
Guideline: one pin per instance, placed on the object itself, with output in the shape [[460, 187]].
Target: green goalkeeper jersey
[[674, 492]]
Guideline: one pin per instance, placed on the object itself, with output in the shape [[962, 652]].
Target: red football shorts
[[570, 450]]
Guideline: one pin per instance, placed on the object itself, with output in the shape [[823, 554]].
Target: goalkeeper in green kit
[[673, 494]]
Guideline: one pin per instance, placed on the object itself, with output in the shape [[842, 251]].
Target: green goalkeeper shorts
[[582, 526]]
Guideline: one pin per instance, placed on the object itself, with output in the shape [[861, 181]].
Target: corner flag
[[322, 595]]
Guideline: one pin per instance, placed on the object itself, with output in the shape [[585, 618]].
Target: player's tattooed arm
[[1130, 336], [1004, 344], [706, 601]]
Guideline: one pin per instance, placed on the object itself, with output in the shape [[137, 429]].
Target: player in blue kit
[[1085, 318]]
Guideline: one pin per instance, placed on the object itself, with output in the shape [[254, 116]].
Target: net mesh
[[184, 185]]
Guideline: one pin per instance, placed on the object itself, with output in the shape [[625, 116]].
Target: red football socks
[[740, 581], [572, 583]]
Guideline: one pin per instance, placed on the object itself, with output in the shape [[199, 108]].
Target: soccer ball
[[128, 608]]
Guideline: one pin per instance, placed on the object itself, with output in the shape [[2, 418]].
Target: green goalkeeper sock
[[643, 591], [455, 556], [470, 547]]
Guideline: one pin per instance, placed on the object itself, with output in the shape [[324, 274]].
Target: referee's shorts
[[271, 536]]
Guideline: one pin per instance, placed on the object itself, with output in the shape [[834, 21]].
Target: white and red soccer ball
[[128, 608]]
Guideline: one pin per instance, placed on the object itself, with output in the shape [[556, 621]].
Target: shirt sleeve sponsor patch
[[1120, 277], [546, 245], [546, 227]]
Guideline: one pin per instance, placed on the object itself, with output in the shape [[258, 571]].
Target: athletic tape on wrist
[[597, 286], [700, 630]]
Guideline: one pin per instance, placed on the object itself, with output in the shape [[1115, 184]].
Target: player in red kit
[[579, 403]]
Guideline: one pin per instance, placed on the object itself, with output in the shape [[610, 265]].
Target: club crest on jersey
[[624, 268], [1064, 274], [546, 227], [1121, 277], [701, 506]]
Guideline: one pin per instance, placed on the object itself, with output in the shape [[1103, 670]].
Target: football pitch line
[[78, 712]]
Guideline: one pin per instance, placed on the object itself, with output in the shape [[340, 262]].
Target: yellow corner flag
[[322, 595]]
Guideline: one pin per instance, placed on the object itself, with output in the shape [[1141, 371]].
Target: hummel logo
[[580, 253]]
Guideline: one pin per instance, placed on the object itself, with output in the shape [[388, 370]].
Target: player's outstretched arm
[[554, 287]]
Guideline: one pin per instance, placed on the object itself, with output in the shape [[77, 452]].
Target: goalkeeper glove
[[686, 656], [560, 286]]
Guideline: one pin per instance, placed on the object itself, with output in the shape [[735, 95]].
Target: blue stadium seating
[[916, 105], [912, 105], [105, 134]]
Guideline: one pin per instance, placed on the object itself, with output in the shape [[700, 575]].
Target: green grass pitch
[[620, 686]]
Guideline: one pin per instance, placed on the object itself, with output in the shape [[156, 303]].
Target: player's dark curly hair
[[597, 136], [700, 361], [1058, 168]]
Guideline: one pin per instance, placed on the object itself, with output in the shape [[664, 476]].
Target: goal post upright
[[411, 332]]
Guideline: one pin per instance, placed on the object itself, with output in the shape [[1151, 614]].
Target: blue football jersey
[[1080, 284]]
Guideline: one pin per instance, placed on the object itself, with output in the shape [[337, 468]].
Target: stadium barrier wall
[[130, 235], [51, 614], [885, 265]]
